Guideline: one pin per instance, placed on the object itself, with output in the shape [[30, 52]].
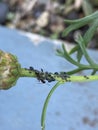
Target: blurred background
[[46, 17]]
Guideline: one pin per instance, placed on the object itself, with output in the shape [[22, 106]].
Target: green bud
[[9, 70]]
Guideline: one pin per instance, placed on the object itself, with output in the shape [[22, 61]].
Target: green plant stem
[[73, 78], [83, 78], [43, 116], [75, 71], [61, 80], [82, 69], [78, 78], [26, 73]]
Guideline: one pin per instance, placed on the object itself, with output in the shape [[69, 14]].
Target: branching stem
[[58, 77]]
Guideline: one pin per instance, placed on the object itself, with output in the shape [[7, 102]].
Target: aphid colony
[[48, 76]]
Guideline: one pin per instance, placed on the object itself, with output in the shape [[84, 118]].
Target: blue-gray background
[[73, 106]]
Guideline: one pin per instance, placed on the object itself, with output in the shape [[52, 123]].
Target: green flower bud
[[9, 70]]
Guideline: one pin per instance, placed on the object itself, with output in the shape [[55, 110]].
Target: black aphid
[[42, 70], [43, 81], [36, 72], [86, 77], [31, 68], [56, 73]]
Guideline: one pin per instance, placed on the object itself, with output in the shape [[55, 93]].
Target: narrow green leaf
[[79, 55], [75, 24], [68, 58], [91, 31], [81, 43], [87, 7], [74, 49], [59, 53], [85, 19]]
